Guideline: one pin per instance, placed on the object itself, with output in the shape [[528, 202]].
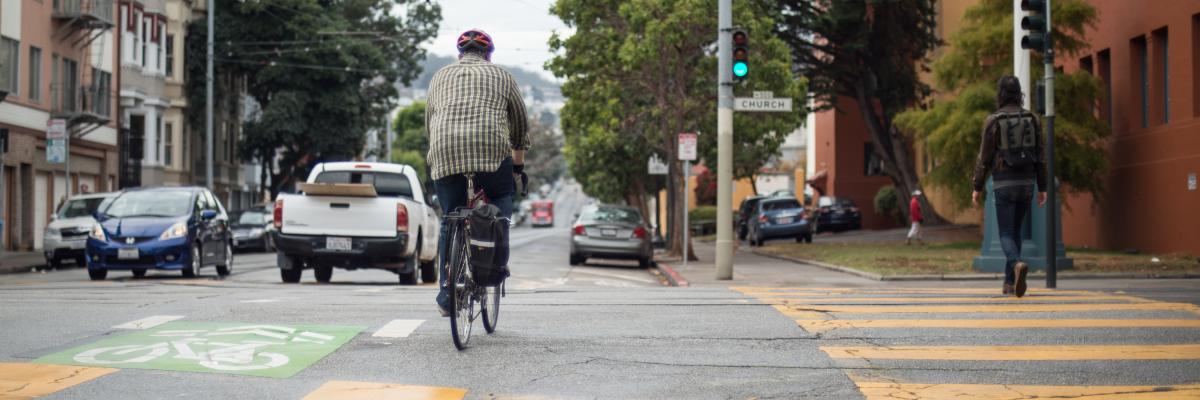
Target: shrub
[[887, 203]]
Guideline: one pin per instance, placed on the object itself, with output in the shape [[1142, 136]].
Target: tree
[[868, 52], [412, 142], [979, 54], [639, 72], [322, 72], [544, 162]]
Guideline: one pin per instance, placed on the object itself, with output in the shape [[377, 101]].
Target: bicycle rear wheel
[[462, 303], [491, 306]]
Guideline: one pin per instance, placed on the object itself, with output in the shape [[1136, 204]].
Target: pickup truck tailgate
[[340, 216]]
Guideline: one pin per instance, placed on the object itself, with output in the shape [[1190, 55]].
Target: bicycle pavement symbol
[[273, 351]]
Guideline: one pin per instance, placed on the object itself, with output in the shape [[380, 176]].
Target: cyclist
[[477, 124]]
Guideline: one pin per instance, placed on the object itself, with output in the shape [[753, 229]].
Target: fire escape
[[86, 104]]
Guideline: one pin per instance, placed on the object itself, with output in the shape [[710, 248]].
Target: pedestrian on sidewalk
[[1011, 151], [914, 214]]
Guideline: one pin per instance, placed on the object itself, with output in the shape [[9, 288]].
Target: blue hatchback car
[[176, 228], [780, 217]]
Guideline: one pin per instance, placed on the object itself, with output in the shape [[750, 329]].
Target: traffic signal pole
[[724, 143], [1051, 181]]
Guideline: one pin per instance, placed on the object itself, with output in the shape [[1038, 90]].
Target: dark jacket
[[988, 162]]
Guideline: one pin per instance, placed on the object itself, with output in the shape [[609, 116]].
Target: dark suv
[[838, 214]]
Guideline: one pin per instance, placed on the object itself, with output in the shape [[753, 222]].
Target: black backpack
[[1018, 142], [489, 245]]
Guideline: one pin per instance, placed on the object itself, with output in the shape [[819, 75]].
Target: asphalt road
[[604, 330]]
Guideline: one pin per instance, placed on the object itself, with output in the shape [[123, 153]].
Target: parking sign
[[687, 147]]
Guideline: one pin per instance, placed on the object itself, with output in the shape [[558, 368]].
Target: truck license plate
[[129, 253], [338, 243]]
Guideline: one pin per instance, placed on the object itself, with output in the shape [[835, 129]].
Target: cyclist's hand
[[520, 180]]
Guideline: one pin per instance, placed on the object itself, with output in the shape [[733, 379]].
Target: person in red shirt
[[914, 212]]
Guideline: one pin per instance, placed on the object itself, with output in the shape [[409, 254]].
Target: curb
[[673, 277], [978, 276]]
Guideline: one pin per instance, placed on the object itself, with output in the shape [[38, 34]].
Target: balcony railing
[[70, 101], [97, 10]]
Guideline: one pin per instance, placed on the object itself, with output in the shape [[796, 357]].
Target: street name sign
[[687, 147], [762, 104]]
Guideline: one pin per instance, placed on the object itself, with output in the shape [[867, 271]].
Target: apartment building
[[58, 62]]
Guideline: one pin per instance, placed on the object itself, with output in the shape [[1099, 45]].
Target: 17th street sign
[[762, 104]]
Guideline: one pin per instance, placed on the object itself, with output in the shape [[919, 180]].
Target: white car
[[355, 215], [66, 236]]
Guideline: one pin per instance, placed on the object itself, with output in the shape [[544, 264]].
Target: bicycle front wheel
[[462, 303], [491, 306]]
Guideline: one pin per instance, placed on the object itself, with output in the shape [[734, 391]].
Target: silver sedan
[[608, 231]]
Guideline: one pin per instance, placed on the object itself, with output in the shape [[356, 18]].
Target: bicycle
[[466, 292]]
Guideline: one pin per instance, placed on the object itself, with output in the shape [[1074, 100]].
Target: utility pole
[[1051, 181], [724, 143], [208, 100]]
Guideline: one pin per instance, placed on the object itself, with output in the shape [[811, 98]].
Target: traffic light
[[1034, 25], [741, 55]]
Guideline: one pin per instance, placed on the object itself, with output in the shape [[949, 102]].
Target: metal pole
[[208, 100], [687, 170], [1051, 181], [724, 143], [67, 160]]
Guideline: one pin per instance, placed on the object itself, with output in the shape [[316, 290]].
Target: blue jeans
[[1012, 205], [452, 194]]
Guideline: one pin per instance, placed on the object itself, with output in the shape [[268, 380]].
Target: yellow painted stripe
[[1018, 353], [27, 381], [995, 290], [892, 391], [819, 325], [995, 299], [349, 390], [805, 315], [998, 308]]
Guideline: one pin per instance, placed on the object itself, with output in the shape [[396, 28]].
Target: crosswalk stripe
[[891, 391], [148, 322], [349, 390], [398, 328], [799, 314], [27, 381], [817, 325], [1018, 353], [995, 299], [998, 308]]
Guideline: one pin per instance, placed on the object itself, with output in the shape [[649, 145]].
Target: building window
[[170, 45], [168, 144], [35, 74], [54, 81], [69, 85], [1163, 79], [10, 52], [1104, 71], [1140, 77], [162, 42], [101, 92], [144, 38], [873, 164], [137, 37]]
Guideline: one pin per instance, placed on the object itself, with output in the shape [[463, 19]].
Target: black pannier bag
[[489, 245]]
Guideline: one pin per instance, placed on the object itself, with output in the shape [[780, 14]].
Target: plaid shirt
[[475, 117]]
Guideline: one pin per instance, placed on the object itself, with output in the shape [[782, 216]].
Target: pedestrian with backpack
[[1011, 152]]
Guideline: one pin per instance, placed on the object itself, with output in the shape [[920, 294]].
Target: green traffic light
[[740, 69]]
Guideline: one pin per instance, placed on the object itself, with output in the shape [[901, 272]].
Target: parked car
[[65, 237], [542, 213], [838, 214], [744, 212], [251, 229], [357, 215], [168, 228], [608, 231], [780, 217]]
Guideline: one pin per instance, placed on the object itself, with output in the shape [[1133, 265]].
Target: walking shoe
[[1021, 268], [445, 313], [1008, 289]]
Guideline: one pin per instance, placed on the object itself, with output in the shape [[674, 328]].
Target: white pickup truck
[[357, 215]]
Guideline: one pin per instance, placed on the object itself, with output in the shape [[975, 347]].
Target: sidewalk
[[755, 270], [20, 261]]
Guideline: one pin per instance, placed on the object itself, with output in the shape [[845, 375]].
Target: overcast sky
[[520, 29]]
